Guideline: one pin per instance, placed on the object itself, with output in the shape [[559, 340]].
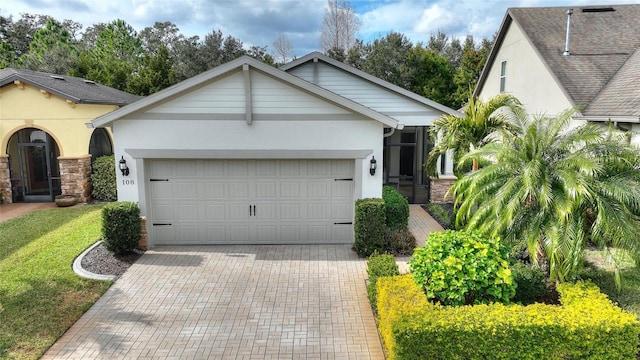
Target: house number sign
[[127, 182]]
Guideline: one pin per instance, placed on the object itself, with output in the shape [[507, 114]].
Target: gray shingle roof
[[601, 45], [78, 90]]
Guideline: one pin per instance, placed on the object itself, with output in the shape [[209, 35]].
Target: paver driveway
[[235, 302]]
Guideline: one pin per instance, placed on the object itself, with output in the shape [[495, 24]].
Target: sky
[[260, 22]]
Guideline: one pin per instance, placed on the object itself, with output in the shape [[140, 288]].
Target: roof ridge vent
[[57, 77], [89, 81], [598, 9]]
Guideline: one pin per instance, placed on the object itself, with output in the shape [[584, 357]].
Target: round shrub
[[531, 283], [103, 179], [396, 208], [399, 242], [121, 228], [461, 268]]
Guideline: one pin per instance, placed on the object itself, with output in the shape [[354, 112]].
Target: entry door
[[35, 172]]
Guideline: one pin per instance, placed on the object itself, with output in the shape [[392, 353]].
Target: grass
[[40, 295], [628, 297]]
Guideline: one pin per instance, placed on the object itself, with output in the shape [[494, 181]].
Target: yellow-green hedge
[[586, 326]]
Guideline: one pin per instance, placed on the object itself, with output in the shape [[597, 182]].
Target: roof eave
[[613, 118]]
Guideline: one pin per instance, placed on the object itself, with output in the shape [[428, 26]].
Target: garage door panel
[[186, 168], [318, 189], [290, 211], [185, 190], [163, 212], [290, 189], [238, 211], [318, 211], [252, 201], [187, 212], [267, 189], [213, 212], [213, 190]]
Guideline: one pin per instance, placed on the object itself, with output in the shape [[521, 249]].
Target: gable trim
[[317, 56], [234, 65]]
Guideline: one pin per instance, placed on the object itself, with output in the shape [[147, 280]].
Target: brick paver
[[231, 302], [421, 224]]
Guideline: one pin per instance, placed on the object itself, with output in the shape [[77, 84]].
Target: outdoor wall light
[[373, 166], [122, 164]]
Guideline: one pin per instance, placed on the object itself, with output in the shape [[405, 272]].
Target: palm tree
[[555, 187], [474, 129]]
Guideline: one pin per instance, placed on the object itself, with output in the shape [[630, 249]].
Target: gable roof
[[601, 43], [317, 56], [78, 90], [234, 65]]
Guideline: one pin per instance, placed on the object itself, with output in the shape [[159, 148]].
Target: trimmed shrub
[[396, 208], [399, 241], [460, 267], [379, 265], [369, 226], [531, 282], [103, 179], [586, 326], [121, 228]]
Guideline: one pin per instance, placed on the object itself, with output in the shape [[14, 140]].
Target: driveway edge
[[78, 269]]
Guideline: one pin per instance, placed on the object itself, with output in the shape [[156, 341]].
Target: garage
[[240, 201], [246, 153]]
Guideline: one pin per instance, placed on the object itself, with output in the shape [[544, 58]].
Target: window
[[503, 75]]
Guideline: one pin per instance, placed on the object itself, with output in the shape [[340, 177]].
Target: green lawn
[[40, 295], [628, 297]]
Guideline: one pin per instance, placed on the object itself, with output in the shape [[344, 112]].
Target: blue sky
[[259, 22]]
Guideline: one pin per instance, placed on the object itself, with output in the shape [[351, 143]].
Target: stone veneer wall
[[439, 188], [5, 181], [144, 239], [75, 176]]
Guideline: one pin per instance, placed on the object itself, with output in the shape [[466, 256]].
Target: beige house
[[555, 58], [45, 145]]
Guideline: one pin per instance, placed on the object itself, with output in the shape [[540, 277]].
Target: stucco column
[[5, 181], [75, 176], [448, 163]]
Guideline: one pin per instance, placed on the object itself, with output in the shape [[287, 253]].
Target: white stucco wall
[[527, 78]]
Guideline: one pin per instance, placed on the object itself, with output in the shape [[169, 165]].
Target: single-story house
[[45, 146], [556, 58], [248, 153]]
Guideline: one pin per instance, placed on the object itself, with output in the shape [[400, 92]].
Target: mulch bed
[[100, 261]]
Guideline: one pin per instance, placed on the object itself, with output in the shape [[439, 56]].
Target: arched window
[[100, 144]]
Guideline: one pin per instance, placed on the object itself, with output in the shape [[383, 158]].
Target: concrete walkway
[[421, 224], [231, 302], [10, 211]]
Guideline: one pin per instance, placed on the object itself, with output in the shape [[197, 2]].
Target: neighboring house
[[556, 58], [248, 153], [45, 145]]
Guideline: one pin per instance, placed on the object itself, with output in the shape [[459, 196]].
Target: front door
[[35, 172]]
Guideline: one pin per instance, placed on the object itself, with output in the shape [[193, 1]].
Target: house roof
[[78, 90], [222, 70], [317, 56], [604, 43]]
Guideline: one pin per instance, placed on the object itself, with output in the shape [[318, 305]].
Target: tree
[[386, 58], [117, 54], [52, 50], [155, 74], [555, 187], [432, 75], [282, 47], [480, 121], [471, 63], [339, 27], [19, 34]]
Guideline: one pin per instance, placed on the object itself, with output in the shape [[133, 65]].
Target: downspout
[[389, 133]]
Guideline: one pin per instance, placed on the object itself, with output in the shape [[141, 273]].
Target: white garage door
[[251, 201]]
